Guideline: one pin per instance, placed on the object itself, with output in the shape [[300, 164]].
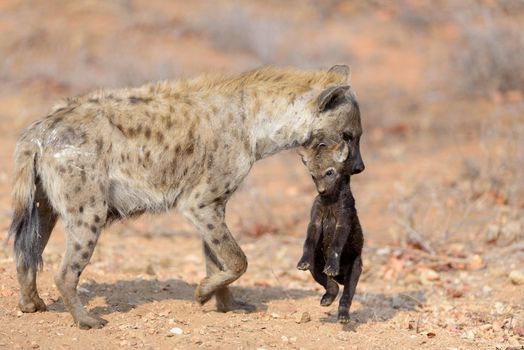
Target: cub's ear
[[306, 154], [332, 97], [342, 70], [341, 152]]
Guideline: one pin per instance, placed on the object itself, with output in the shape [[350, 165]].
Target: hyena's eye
[[347, 136], [330, 172]]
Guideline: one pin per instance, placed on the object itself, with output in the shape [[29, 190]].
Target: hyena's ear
[[342, 70], [340, 152], [332, 97], [305, 154]]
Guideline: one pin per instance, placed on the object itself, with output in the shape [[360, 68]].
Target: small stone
[[19, 313], [486, 290], [429, 276], [150, 271], [82, 290], [304, 318], [275, 315], [285, 339], [176, 330], [499, 308], [34, 345], [383, 251], [486, 327], [476, 262], [516, 277], [195, 340], [469, 334]]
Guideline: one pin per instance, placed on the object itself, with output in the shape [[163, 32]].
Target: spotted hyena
[[113, 154], [333, 246]]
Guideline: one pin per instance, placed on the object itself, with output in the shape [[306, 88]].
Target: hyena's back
[[103, 152]]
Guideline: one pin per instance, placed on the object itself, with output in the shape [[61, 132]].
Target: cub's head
[[338, 118], [327, 166]]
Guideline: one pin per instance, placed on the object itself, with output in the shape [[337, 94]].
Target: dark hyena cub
[[333, 247]]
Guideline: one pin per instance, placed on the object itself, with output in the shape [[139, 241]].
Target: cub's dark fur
[[333, 247]]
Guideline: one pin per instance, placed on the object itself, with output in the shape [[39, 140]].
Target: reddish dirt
[[439, 166]]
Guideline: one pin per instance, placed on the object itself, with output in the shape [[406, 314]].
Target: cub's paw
[[343, 317], [331, 269], [303, 264], [327, 299]]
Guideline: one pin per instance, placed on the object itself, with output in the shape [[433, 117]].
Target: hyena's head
[[338, 118], [327, 166]]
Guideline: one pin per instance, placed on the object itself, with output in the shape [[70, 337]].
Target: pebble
[[429, 276], [499, 308], [476, 262], [196, 340], [469, 334], [486, 327], [176, 330], [516, 277], [305, 317]]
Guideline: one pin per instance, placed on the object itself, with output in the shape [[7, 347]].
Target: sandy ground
[[441, 200]]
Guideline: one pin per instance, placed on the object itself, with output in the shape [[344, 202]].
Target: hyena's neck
[[279, 122]]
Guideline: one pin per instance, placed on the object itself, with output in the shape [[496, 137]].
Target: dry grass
[[268, 36], [483, 203], [490, 55]]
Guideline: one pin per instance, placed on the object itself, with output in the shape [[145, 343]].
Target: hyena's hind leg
[[85, 217], [29, 300]]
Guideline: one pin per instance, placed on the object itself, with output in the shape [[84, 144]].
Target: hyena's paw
[[303, 264], [343, 317], [226, 302], [203, 293], [88, 322], [33, 305]]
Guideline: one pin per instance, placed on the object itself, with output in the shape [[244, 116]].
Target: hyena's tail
[[25, 224]]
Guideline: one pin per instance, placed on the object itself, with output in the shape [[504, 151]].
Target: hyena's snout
[[358, 165]]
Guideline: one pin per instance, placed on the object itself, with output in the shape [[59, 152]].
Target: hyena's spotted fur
[[188, 144]]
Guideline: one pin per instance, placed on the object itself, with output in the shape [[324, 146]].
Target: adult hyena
[[187, 144]]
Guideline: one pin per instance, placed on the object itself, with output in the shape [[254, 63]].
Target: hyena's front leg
[[224, 298], [83, 226], [225, 260]]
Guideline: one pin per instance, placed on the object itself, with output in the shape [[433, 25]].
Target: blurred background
[[440, 84]]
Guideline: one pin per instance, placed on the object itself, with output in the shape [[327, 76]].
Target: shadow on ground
[[123, 296], [379, 307]]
